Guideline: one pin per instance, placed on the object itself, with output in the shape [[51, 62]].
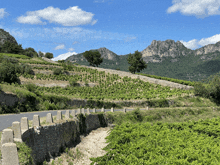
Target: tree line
[[13, 48], [135, 60]]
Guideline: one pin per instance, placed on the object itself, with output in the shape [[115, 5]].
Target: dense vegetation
[[192, 142], [126, 87], [142, 140]]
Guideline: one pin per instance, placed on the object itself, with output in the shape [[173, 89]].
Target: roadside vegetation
[[193, 114]]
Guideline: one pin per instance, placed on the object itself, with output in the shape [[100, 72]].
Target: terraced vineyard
[[102, 89]]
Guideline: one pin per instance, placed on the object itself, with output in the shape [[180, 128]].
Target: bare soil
[[90, 146]]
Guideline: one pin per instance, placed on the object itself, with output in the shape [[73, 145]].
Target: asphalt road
[[7, 120]]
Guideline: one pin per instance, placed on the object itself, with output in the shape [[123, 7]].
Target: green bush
[[73, 83], [31, 87], [9, 47], [30, 52], [9, 67], [57, 71], [211, 90]]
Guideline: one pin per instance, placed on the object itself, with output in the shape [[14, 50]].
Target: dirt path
[[90, 146]]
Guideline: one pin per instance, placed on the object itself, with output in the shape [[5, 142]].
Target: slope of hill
[[111, 90]]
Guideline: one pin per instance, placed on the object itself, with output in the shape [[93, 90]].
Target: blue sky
[[70, 27]]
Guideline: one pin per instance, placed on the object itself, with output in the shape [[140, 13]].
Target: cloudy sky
[[70, 27]]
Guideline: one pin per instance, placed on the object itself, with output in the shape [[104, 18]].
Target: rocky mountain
[[208, 49], [156, 52], [105, 53], [166, 58], [5, 36], [159, 49]]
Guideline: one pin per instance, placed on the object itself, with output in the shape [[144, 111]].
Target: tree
[[9, 47], [93, 57], [30, 52], [40, 54], [136, 62], [49, 55]]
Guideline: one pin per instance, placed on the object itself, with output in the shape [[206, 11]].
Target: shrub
[[30, 52], [31, 87], [57, 71], [211, 90], [49, 55], [73, 83], [9, 47], [9, 67]]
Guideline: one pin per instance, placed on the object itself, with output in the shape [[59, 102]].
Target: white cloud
[[2, 13], [73, 16], [194, 44], [75, 42], [71, 49], [64, 56], [30, 19], [60, 47], [199, 8]]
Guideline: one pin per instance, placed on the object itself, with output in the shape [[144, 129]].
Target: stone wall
[[48, 141]]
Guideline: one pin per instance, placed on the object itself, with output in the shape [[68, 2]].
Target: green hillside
[[162, 121]]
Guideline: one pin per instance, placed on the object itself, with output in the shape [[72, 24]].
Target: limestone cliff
[[159, 49], [208, 49]]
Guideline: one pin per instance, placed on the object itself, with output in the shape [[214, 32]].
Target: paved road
[[7, 120]]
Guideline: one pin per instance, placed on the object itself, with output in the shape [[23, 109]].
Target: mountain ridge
[[165, 58]]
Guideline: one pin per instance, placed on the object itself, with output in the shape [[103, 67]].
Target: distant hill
[[5, 36], [165, 58]]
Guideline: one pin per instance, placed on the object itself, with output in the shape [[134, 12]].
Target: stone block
[[7, 136], [67, 115], [78, 111], [112, 109], [36, 121], [83, 111], [102, 110], [24, 124], [9, 154], [59, 115], [49, 118], [124, 110], [87, 111], [73, 113], [16, 127]]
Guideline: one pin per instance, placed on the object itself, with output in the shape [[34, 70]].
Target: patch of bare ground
[[90, 146]]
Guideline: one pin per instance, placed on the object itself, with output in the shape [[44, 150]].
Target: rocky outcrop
[[164, 49], [105, 53], [208, 49], [5, 36]]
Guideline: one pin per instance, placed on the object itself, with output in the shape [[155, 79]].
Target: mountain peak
[[165, 48]]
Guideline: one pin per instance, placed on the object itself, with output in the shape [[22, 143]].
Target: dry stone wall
[[49, 141]]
